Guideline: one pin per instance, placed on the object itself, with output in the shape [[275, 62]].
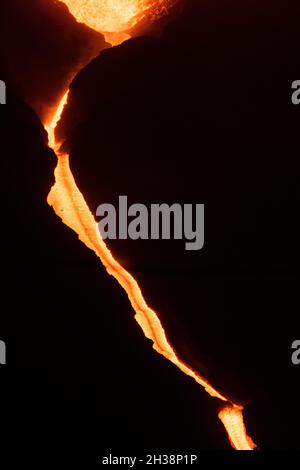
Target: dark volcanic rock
[[43, 47], [204, 115], [79, 369]]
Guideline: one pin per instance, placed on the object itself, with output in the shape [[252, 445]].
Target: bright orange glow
[[117, 17], [232, 418], [50, 128], [69, 204]]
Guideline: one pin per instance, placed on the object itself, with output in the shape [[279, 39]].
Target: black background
[[201, 114]]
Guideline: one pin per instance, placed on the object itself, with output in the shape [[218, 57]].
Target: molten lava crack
[[117, 16]]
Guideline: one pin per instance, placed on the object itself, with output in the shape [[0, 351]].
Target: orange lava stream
[[50, 128], [116, 17], [232, 418], [69, 204]]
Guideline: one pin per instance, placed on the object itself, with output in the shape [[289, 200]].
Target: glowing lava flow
[[50, 128], [70, 206], [232, 418], [116, 17]]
